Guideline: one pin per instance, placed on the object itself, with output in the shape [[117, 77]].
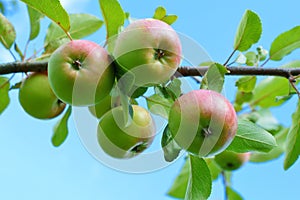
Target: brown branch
[[16, 67]]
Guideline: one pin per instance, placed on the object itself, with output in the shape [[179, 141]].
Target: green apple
[[37, 98], [150, 49], [203, 122], [102, 107], [121, 140], [81, 73], [229, 160]]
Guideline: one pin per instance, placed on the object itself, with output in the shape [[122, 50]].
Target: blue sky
[[32, 168]]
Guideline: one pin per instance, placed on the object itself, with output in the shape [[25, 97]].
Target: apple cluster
[[146, 53]]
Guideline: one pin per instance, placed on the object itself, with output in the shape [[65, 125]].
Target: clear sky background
[[31, 168]]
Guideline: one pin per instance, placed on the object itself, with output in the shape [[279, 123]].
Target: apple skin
[[229, 160], [123, 142], [102, 107], [37, 98], [81, 73], [203, 122], [150, 49]]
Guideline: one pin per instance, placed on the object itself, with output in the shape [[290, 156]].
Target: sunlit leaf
[[170, 147], [7, 32], [4, 97], [34, 18], [178, 189]]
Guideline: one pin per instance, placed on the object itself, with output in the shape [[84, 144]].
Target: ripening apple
[[99, 109], [81, 73], [37, 98], [229, 160], [121, 140], [150, 49], [203, 122]]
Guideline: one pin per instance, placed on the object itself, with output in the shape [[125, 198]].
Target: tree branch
[[16, 67]]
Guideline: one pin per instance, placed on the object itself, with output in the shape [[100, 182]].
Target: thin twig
[[292, 81], [228, 59]]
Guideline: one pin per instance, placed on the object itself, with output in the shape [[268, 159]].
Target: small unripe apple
[[203, 122], [37, 98], [81, 73], [150, 49], [121, 140], [229, 160]]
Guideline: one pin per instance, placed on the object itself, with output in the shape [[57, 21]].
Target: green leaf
[[7, 32], [159, 105], [169, 19], [200, 183], [114, 18], [159, 13], [174, 88], [53, 10], [170, 147], [248, 32], [4, 97], [285, 43], [214, 78], [214, 169], [61, 129], [178, 189], [232, 194], [246, 83], [293, 140], [241, 59], [82, 25], [275, 152], [34, 17], [251, 137], [252, 59]]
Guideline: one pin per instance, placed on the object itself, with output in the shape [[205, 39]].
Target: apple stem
[[77, 64], [159, 53]]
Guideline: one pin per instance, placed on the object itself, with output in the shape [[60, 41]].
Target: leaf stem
[[228, 59], [225, 184]]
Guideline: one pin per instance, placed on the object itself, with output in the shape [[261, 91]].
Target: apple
[[101, 108], [203, 122], [229, 160], [81, 73], [37, 98], [121, 140], [149, 49]]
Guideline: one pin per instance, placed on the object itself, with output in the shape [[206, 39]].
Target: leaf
[[252, 59], [159, 105], [170, 147], [61, 129], [174, 88], [251, 137], [159, 13], [200, 183], [178, 189], [248, 32], [169, 19], [82, 25], [214, 78], [53, 10], [4, 97], [114, 18], [293, 140], [34, 17], [7, 32], [214, 169], [232, 194], [241, 59], [246, 83], [285, 43]]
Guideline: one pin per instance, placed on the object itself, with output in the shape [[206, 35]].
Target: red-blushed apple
[[150, 49], [37, 98], [229, 160], [121, 140], [81, 73], [203, 122]]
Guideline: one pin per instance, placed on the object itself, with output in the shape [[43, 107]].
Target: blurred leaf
[[266, 120], [293, 140], [159, 13], [34, 17], [285, 43], [159, 105], [249, 31], [241, 59], [7, 32], [114, 18], [262, 53], [4, 97], [242, 97], [214, 169], [82, 25], [178, 189], [274, 153], [170, 147], [169, 19], [251, 58], [214, 78], [174, 88], [232, 194], [246, 83], [53, 10], [61, 129], [139, 92], [250, 137], [200, 183]]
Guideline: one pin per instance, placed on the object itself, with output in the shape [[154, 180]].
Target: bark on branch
[[17, 67]]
